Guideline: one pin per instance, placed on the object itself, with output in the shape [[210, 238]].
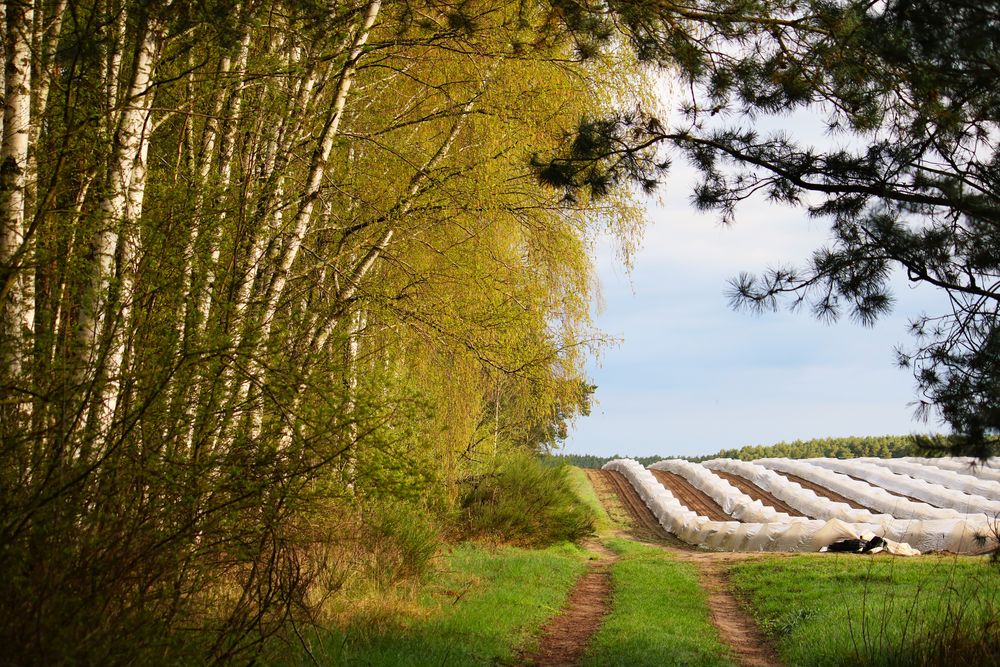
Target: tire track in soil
[[736, 628], [692, 497], [565, 637], [757, 493]]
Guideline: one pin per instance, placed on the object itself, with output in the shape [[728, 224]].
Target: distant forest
[[883, 446]]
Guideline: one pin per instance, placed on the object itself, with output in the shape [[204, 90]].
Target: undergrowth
[[479, 608], [526, 503]]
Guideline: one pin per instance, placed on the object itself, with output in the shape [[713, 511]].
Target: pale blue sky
[[691, 376]]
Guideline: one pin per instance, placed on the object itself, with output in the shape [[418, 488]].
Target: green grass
[[486, 605], [851, 610], [585, 491], [659, 614]]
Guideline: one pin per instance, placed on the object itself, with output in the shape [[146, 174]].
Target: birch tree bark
[[303, 215], [99, 348], [17, 313]]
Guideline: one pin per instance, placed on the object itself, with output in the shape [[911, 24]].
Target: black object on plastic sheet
[[872, 546]]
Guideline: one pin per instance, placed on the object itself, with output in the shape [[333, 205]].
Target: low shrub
[[399, 542], [524, 502]]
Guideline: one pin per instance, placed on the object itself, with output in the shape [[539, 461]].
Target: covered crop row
[[954, 524]]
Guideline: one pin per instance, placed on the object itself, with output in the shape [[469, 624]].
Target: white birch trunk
[[349, 286], [3, 41], [227, 147], [118, 208], [317, 168], [201, 302], [300, 223], [50, 44], [204, 166], [129, 241], [17, 313], [352, 282], [45, 317]]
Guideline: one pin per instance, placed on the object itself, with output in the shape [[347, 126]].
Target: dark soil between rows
[[824, 492], [691, 497], [757, 493]]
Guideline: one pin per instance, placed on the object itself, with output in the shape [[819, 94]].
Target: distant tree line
[[592, 461], [882, 446]]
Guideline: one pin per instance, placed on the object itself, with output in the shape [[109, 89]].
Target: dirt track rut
[[565, 637]]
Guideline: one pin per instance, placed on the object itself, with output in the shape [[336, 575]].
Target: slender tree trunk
[[349, 286], [47, 265], [227, 147], [16, 313], [303, 215], [351, 283], [317, 169], [113, 237]]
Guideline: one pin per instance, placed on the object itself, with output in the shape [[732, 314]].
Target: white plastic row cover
[[990, 469], [929, 492], [862, 493], [794, 534], [952, 479]]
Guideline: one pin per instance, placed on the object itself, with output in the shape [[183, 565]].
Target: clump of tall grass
[[957, 624], [524, 502]]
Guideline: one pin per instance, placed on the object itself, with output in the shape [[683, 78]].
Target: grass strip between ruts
[[827, 609], [659, 614], [484, 607], [585, 491]]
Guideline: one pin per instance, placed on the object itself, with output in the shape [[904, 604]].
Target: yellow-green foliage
[[288, 286]]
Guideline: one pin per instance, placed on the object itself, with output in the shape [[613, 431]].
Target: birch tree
[[265, 266]]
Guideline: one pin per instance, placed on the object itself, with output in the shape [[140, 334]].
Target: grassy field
[[478, 610], [659, 614], [484, 605], [853, 610]]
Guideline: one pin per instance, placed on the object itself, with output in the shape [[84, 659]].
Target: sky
[[691, 376]]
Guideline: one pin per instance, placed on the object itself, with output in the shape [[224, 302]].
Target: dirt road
[[736, 629], [565, 637]]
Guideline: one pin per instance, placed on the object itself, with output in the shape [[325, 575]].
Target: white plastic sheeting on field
[[732, 501], [921, 489], [963, 464], [951, 479], [802, 499], [793, 533], [862, 493]]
